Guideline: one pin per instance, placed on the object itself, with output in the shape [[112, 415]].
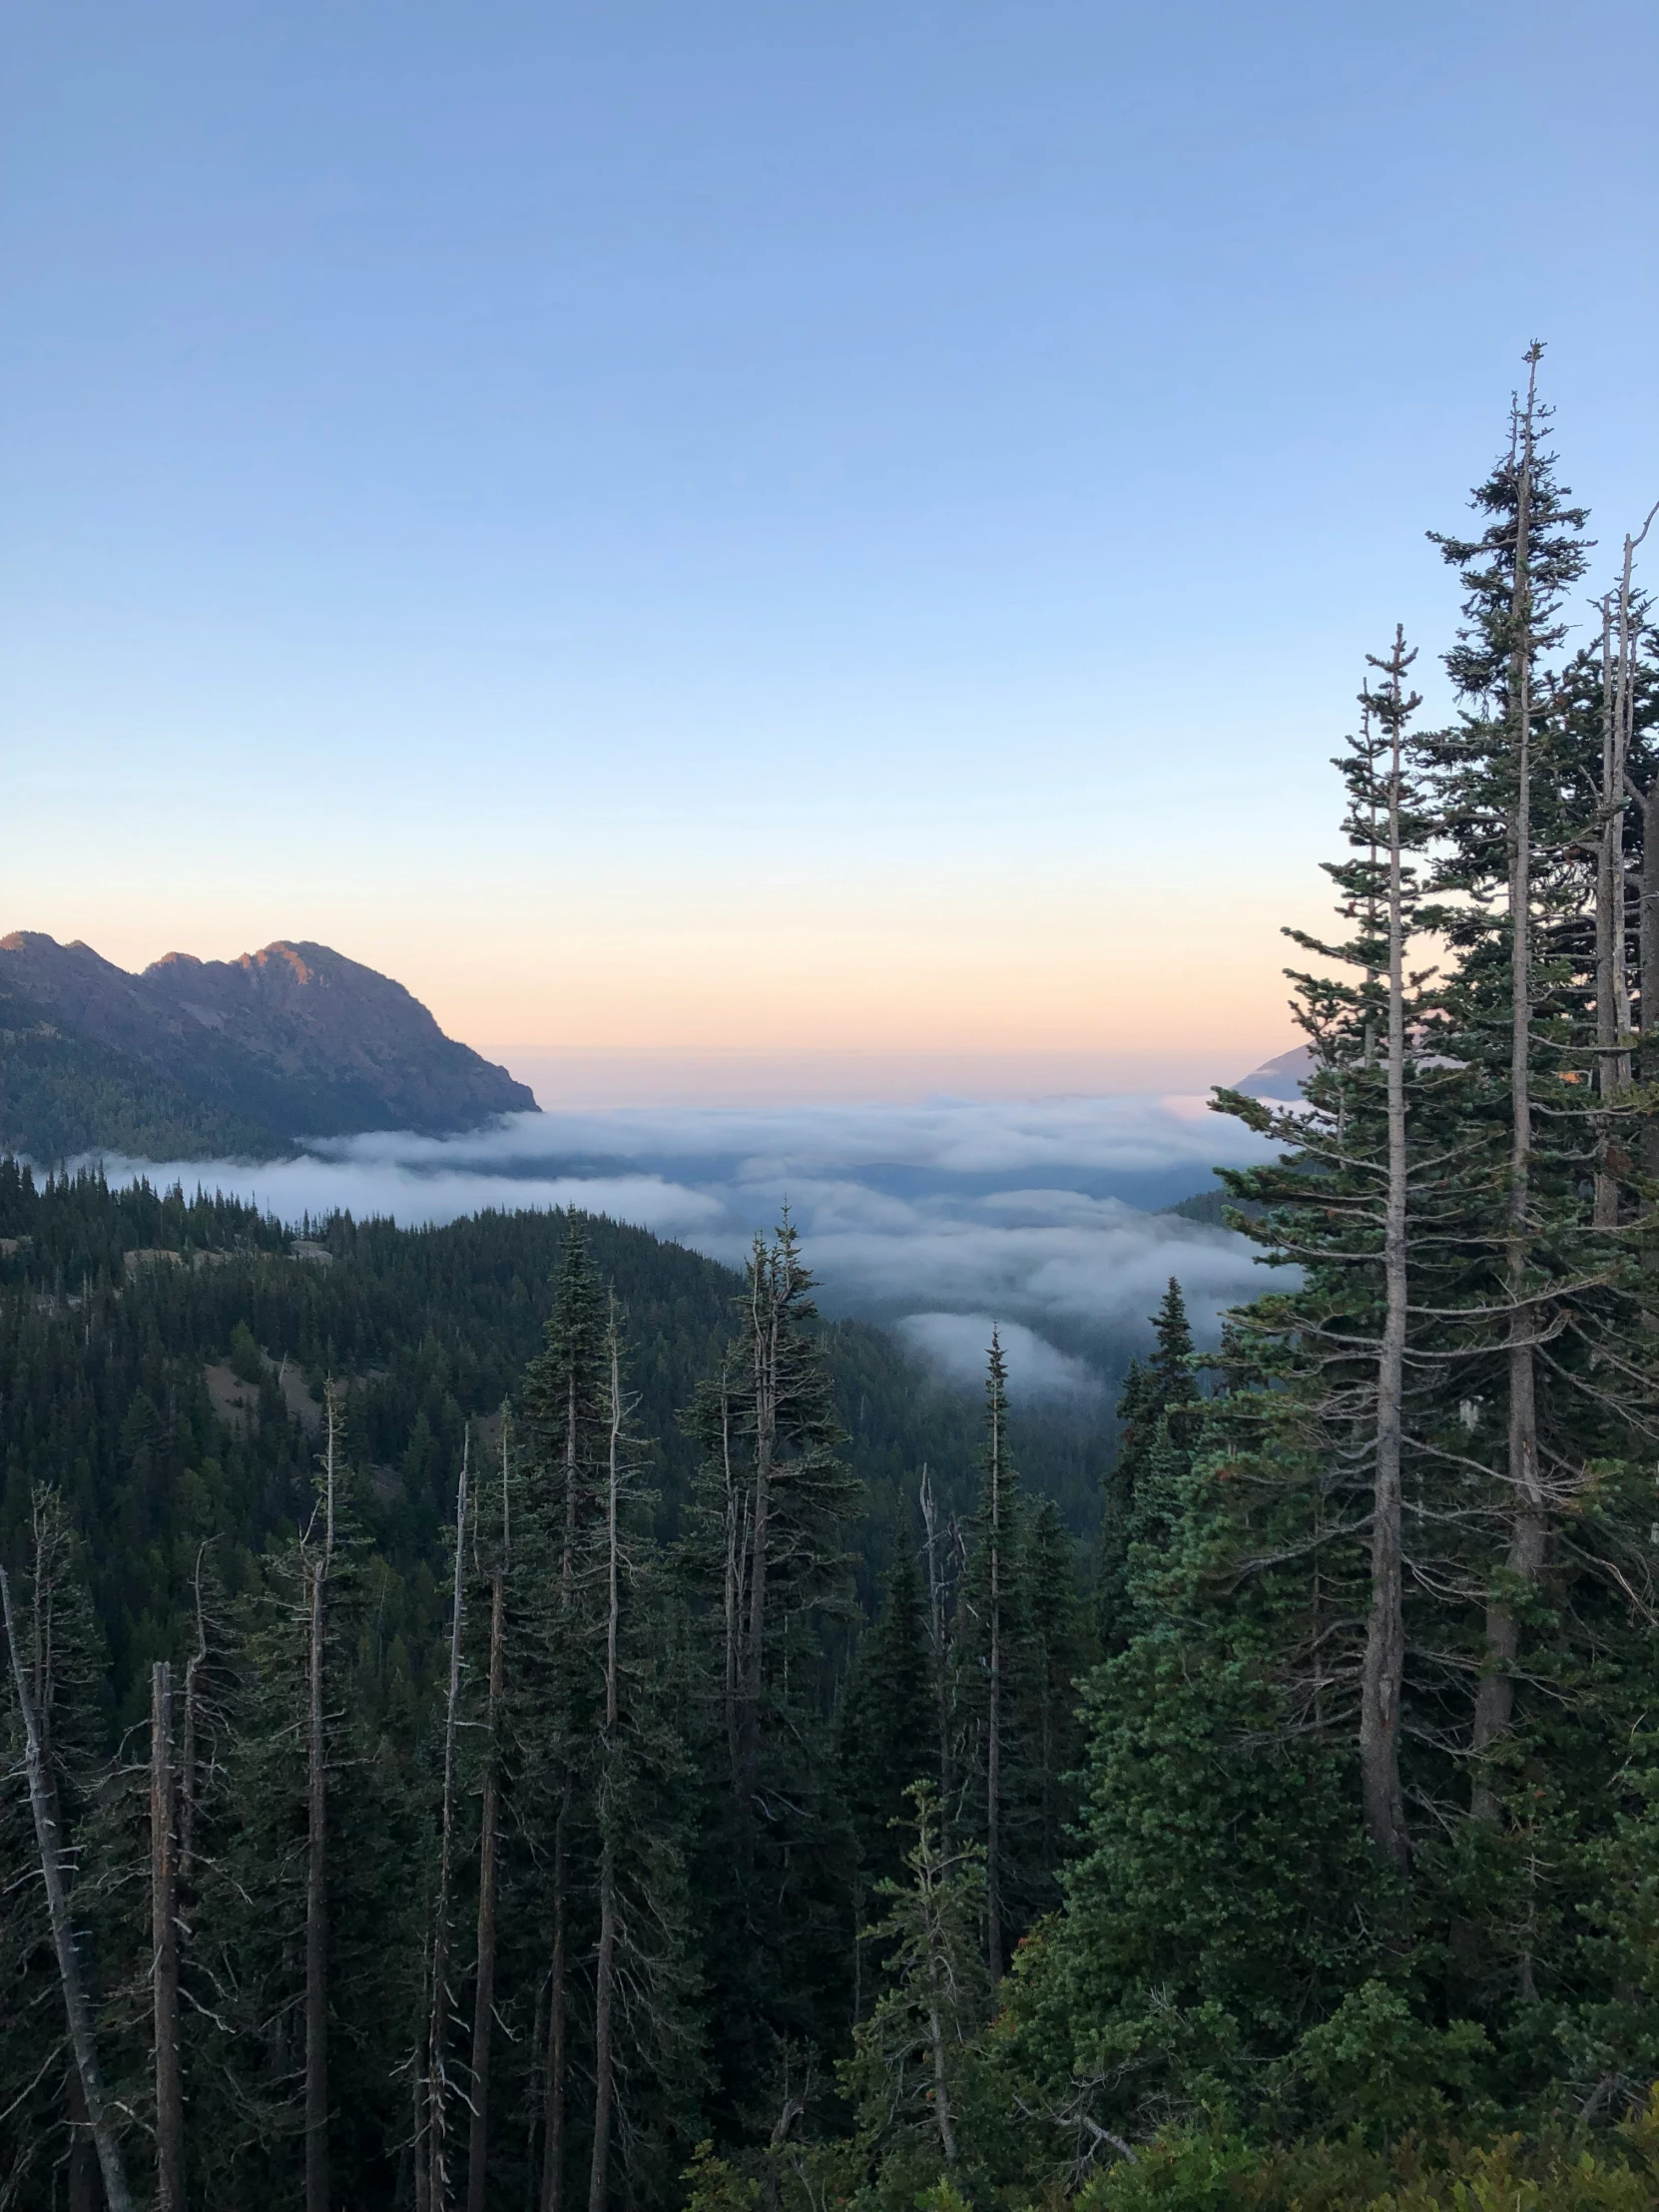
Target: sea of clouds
[[939, 1219]]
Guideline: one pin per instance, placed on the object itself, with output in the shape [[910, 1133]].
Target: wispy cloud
[[954, 1346], [940, 1219], [416, 1195], [1119, 1135]]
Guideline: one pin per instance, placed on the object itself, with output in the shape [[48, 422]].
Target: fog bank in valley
[[940, 1219]]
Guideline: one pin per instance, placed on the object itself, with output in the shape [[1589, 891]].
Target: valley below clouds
[[937, 1220]]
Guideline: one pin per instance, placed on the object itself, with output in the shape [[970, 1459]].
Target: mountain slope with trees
[[223, 1057]]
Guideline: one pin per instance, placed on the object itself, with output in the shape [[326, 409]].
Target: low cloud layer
[[1120, 1137], [955, 1348], [940, 1219]]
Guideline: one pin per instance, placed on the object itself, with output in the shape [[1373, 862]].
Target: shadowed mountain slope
[[236, 1056]]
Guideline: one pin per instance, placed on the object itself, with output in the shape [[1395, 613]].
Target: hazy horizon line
[[616, 1077]]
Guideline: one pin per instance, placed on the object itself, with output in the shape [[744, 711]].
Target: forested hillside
[[61, 1095], [163, 1365], [515, 1715], [179, 1377]]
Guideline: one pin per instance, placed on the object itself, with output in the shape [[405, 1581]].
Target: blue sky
[[761, 528]]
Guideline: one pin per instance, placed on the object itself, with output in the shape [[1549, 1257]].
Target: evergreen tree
[[51, 1655], [1501, 813], [1218, 1891], [887, 1733], [1150, 1388], [1017, 1651], [564, 1412], [309, 1932], [767, 1562], [648, 2034], [992, 1655], [887, 1720], [1385, 1607], [912, 2056], [1056, 1617]]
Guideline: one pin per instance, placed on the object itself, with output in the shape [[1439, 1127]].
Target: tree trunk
[[316, 1847], [1496, 1697], [163, 1946], [930, 1878], [939, 1635], [736, 1551], [1609, 921], [941, 2082], [1647, 933], [604, 2072], [604, 2085], [764, 1327], [993, 1707], [421, 2095], [555, 2087], [1647, 944], [189, 1779], [1647, 907], [83, 2191], [437, 2027], [483, 2002], [1383, 1665], [553, 2147], [43, 1807]]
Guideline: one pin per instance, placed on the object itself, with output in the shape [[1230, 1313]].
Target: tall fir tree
[[767, 1564], [887, 1738], [1151, 1388]]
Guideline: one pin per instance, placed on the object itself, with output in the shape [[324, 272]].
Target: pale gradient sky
[[749, 530]]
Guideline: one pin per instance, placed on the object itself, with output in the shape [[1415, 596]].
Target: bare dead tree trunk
[[1495, 1698], [163, 1946], [1615, 1035], [938, 1634], [555, 2089], [736, 1553], [48, 1840], [930, 1864], [438, 2026], [553, 2147], [317, 1839], [189, 1753], [1382, 1668], [942, 2115], [772, 2191], [44, 1531], [535, 2114], [483, 2002], [604, 2082], [84, 2192], [764, 1327], [421, 2093], [1609, 920], [1647, 939], [993, 1692], [1647, 805]]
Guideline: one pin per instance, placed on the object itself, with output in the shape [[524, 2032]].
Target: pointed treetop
[[1172, 1362], [997, 1400], [1545, 557]]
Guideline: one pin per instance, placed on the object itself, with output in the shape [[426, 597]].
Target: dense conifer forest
[[518, 1717]]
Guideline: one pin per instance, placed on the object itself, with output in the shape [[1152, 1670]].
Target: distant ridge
[[1279, 1080], [223, 1057]]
